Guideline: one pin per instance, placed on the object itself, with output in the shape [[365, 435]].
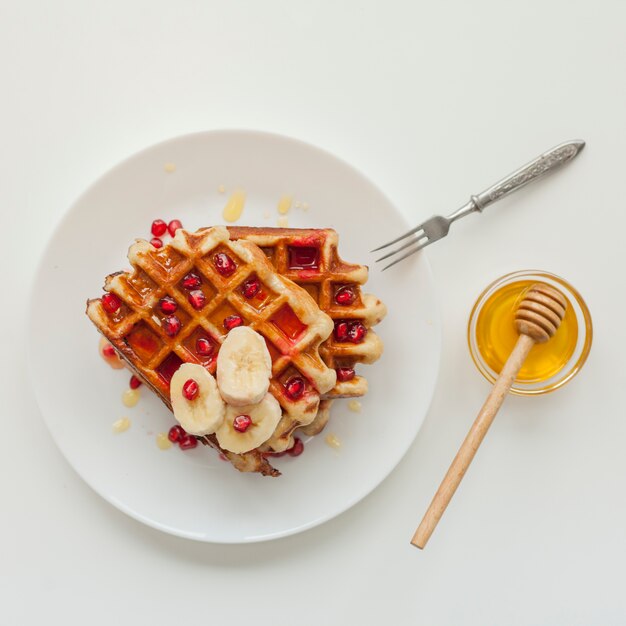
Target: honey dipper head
[[540, 313]]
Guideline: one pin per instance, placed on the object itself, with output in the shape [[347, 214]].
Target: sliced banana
[[244, 367], [205, 413], [265, 417]]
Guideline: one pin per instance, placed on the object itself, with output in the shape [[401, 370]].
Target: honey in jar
[[496, 335], [492, 334]]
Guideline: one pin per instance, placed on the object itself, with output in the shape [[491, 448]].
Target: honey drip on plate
[[162, 442], [234, 206], [333, 441], [496, 335], [130, 397], [284, 204], [120, 425]]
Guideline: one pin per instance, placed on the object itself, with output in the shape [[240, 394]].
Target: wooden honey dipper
[[537, 319]]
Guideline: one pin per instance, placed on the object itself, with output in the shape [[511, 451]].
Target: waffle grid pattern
[[290, 321], [321, 272]]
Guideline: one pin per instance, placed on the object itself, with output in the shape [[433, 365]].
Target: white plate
[[193, 493]]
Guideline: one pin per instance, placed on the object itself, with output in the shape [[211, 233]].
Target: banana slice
[[247, 427], [244, 367], [200, 410]]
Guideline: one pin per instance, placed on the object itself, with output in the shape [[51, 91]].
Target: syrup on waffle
[[180, 301], [309, 257]]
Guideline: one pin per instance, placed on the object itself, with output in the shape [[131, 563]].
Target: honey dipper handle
[[473, 439]]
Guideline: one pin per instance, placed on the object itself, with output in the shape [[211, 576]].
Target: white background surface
[[433, 101]]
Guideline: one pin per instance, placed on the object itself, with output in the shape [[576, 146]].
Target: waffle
[[309, 257], [320, 421], [285, 315]]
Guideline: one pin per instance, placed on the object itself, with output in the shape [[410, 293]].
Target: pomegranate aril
[[158, 228], [156, 243], [345, 296], [224, 264], [190, 389], [357, 332], [168, 305], [297, 449], [192, 281], [204, 347], [197, 299], [108, 351], [111, 302], [241, 423], [187, 442], [171, 325], [344, 374], [176, 433], [250, 288], [173, 226], [232, 321], [341, 331], [134, 383], [295, 387]]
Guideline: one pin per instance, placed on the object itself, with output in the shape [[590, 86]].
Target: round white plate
[[193, 494]]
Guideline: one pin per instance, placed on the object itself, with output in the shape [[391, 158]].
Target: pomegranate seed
[[204, 347], [345, 295], [135, 383], [341, 331], [295, 387], [297, 449], [232, 321], [344, 374], [173, 226], [111, 302], [357, 332], [241, 423], [190, 389], [171, 325], [192, 281], [224, 264], [168, 305], [187, 442], [250, 288], [158, 228], [156, 243], [108, 351], [176, 433], [197, 299]]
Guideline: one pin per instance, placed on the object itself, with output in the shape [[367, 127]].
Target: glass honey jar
[[492, 335]]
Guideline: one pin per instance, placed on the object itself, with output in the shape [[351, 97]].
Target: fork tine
[[413, 230], [406, 245], [404, 256]]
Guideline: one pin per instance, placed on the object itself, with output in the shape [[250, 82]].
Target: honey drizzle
[[284, 204], [234, 206]]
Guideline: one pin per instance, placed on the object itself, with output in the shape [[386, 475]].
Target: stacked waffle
[[179, 302]]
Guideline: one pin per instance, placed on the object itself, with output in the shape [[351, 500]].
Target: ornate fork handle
[[543, 164]]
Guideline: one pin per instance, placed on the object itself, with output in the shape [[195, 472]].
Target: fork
[[437, 227]]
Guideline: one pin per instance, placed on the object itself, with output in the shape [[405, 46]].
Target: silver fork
[[437, 227]]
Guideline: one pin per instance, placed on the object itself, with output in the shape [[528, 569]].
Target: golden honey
[[234, 207], [284, 204], [496, 335]]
